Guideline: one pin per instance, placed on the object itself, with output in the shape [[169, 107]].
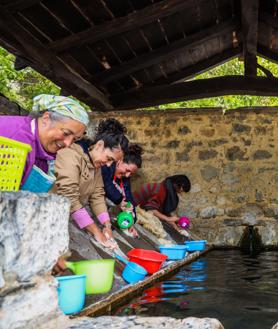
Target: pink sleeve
[[82, 218], [103, 217]]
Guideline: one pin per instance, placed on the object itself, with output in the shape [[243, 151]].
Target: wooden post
[[249, 26]]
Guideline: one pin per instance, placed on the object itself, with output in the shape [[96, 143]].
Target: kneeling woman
[[78, 171], [116, 180], [161, 199]]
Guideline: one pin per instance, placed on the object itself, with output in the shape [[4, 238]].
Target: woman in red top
[[162, 198]]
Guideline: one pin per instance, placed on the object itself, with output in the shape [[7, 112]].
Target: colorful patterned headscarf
[[63, 105]]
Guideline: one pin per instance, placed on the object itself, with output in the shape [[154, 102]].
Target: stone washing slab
[[32, 232], [30, 307]]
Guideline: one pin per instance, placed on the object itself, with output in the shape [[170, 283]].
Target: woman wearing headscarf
[[78, 171], [54, 123], [161, 199]]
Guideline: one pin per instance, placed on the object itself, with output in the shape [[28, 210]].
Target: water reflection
[[237, 288]]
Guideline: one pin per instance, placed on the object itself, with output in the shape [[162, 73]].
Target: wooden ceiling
[[127, 54]]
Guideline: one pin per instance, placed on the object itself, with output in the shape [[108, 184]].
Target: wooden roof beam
[[196, 89], [249, 28], [268, 54], [199, 68], [123, 24], [48, 64], [21, 63], [165, 52]]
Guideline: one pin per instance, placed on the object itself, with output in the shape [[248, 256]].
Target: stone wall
[[231, 160]]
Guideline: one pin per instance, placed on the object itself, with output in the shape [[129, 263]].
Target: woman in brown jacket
[[78, 171]]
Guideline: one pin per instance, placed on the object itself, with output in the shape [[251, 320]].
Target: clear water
[[240, 290]]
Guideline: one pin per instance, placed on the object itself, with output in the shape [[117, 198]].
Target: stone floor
[[134, 322]]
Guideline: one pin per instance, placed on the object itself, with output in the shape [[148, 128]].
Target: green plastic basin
[[99, 274]]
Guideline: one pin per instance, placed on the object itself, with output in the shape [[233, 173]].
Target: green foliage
[[22, 86], [233, 67]]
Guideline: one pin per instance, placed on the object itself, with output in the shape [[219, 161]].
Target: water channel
[[239, 289]]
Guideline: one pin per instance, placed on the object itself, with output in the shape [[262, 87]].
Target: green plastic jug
[[125, 220], [99, 274]]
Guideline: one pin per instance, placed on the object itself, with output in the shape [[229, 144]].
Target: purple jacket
[[19, 128]]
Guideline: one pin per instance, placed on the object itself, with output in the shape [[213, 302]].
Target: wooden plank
[[33, 29], [166, 52], [137, 41], [268, 54], [16, 5], [122, 24], [249, 28], [50, 65], [154, 35], [200, 67], [63, 12], [269, 20], [21, 63], [106, 305], [197, 89], [173, 27]]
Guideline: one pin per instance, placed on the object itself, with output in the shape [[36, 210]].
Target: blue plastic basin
[[134, 272], [197, 245], [71, 293], [174, 252]]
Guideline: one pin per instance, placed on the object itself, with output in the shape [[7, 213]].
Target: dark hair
[[181, 181], [111, 132], [134, 155]]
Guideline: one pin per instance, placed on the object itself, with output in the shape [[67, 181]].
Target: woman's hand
[[100, 237], [126, 206], [107, 231], [59, 267], [133, 231], [96, 233], [172, 219]]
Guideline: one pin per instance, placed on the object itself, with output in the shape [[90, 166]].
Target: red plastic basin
[[151, 260]]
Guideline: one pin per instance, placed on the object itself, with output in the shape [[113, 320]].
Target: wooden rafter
[[249, 29], [197, 89], [21, 63], [269, 20], [200, 67], [166, 52], [268, 54], [123, 24], [46, 63], [15, 5]]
